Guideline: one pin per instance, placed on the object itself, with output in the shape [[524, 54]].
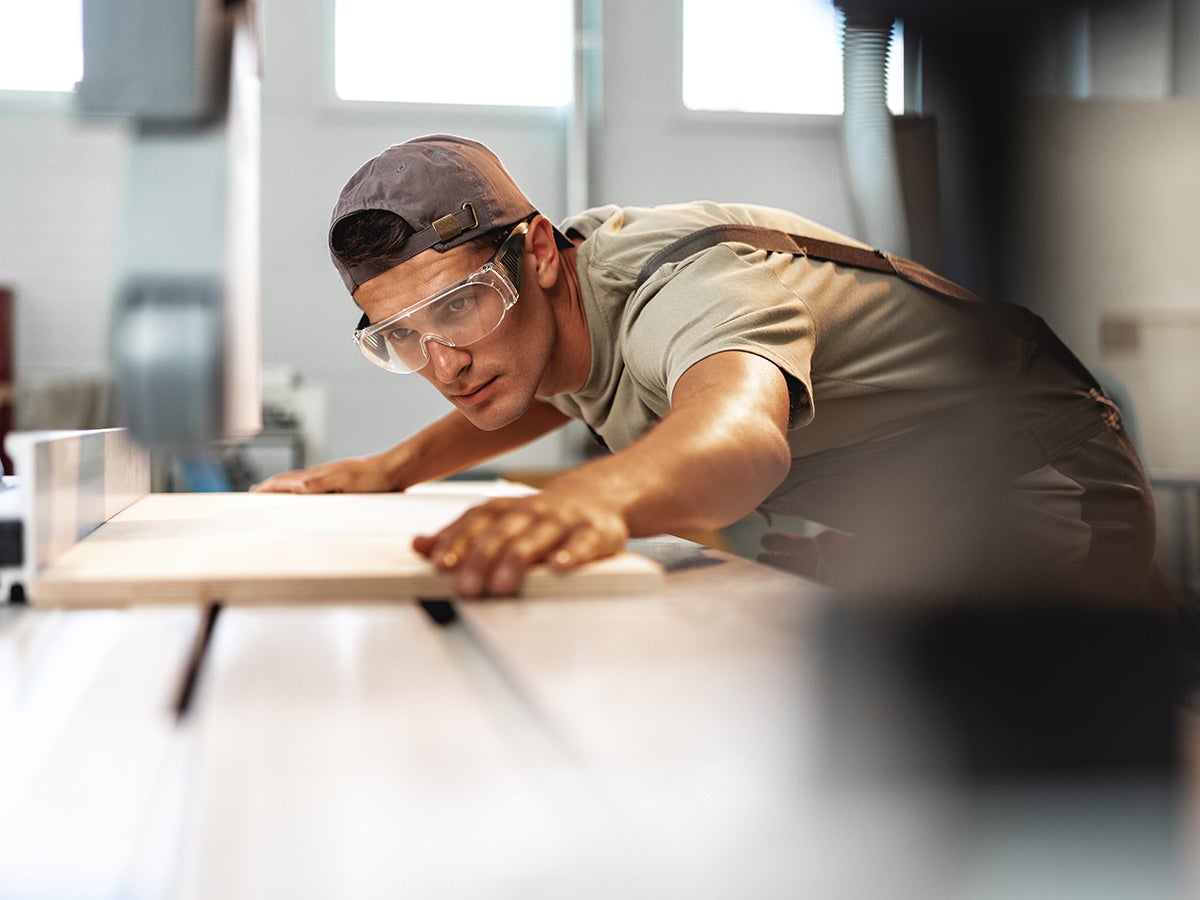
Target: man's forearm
[[668, 482], [710, 461], [452, 444]]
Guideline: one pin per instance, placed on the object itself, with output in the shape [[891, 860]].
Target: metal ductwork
[[870, 145]]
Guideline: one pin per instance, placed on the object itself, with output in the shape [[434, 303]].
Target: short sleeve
[[721, 300]]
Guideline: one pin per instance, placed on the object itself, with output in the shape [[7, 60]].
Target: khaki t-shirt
[[866, 356]]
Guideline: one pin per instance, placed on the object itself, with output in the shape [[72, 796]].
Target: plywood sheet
[[284, 548]]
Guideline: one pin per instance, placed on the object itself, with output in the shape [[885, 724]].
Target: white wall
[[312, 143], [646, 150], [61, 182], [1110, 220], [1131, 49], [60, 195], [1107, 217], [63, 179]]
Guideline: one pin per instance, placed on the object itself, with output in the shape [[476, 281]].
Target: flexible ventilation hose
[[870, 144]]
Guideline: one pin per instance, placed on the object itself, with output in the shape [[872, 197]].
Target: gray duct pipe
[[870, 145], [1186, 60]]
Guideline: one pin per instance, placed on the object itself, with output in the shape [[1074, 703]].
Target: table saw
[[688, 723]]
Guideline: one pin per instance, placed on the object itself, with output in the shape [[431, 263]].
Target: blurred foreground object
[[1039, 744], [184, 332]]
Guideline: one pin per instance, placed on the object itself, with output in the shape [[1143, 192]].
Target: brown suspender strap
[[1016, 319], [814, 248]]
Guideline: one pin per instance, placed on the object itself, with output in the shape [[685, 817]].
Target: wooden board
[[285, 548]]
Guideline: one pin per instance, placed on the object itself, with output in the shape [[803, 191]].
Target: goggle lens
[[463, 316]]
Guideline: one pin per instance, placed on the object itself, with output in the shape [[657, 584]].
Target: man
[[953, 444]]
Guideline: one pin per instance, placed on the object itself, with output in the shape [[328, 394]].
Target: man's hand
[[492, 546], [362, 475], [715, 456]]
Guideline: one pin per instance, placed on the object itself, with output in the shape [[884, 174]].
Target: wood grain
[[241, 548]]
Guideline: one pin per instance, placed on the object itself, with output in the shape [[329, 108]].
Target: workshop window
[[41, 45], [471, 51], [771, 56]]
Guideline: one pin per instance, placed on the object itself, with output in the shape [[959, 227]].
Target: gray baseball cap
[[448, 189]]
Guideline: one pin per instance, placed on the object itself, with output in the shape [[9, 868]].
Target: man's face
[[493, 380]]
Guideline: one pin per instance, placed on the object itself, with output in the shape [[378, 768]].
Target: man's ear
[[539, 241]]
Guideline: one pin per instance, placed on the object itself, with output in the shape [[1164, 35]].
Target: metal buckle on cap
[[448, 226]]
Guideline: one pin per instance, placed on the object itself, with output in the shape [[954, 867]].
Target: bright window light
[[517, 55], [772, 56], [41, 44]]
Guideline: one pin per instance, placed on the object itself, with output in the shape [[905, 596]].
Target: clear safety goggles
[[465, 312]]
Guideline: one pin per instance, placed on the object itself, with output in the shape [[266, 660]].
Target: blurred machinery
[[185, 323]]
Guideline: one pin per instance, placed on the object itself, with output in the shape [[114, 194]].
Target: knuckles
[[492, 546]]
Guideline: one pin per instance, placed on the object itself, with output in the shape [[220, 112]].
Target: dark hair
[[368, 235], [372, 235]]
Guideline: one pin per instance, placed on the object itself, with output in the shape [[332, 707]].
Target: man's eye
[[399, 336], [459, 303]]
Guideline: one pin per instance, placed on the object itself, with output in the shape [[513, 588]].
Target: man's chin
[[492, 418]]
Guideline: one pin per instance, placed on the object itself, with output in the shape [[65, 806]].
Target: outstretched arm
[[716, 455], [449, 445]]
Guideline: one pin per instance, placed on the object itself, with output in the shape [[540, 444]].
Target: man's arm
[[713, 458], [449, 445]]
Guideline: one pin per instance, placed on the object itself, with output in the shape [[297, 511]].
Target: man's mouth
[[476, 395]]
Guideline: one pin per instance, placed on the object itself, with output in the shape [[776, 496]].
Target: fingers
[[296, 483], [580, 546], [492, 547], [498, 559], [347, 475], [288, 482]]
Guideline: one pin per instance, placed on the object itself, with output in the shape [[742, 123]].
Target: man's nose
[[447, 361]]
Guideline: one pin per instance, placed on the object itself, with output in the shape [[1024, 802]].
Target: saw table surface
[[263, 719]]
